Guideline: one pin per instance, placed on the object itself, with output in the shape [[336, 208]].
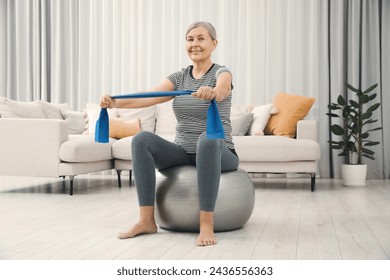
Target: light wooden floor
[[39, 220]]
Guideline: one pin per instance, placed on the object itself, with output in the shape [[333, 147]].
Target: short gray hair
[[207, 25]]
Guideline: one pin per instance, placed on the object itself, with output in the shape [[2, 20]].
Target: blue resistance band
[[214, 127]]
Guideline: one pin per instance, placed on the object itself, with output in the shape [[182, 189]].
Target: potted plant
[[354, 137]]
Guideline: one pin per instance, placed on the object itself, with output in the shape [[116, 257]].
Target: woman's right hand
[[107, 102]]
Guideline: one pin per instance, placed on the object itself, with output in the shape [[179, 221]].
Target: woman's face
[[199, 44]]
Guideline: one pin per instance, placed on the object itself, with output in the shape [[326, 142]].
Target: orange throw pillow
[[292, 108], [120, 128]]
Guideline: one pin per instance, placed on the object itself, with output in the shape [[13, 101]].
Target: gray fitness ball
[[177, 202]]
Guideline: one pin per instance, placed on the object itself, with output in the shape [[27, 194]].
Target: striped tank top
[[191, 112]]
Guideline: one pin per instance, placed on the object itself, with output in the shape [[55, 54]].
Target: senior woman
[[209, 81]]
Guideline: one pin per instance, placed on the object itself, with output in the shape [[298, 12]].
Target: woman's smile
[[196, 51]]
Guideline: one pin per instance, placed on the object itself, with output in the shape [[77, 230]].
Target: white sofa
[[45, 147]]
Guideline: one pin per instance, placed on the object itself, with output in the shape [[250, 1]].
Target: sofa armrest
[[30, 147], [307, 129]]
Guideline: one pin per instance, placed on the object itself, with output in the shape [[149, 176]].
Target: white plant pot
[[354, 174]]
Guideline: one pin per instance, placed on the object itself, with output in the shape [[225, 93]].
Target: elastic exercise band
[[214, 127]]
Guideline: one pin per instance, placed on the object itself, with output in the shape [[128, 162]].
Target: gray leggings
[[150, 151]]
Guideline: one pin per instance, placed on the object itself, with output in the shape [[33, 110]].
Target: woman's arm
[[220, 91], [108, 102], [224, 86]]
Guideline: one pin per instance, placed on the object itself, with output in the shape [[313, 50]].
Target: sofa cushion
[[261, 115], [83, 148], [53, 110], [239, 110], [249, 148], [146, 116], [241, 124], [121, 149], [275, 148], [75, 121], [120, 128], [292, 108], [165, 118]]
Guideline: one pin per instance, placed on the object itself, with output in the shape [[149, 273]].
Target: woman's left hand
[[206, 93]]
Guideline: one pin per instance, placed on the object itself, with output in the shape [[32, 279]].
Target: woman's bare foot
[[146, 224], [137, 229], [206, 235]]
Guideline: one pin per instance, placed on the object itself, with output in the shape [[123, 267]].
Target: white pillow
[[239, 110], [261, 115], [75, 120], [53, 110], [146, 116], [165, 118]]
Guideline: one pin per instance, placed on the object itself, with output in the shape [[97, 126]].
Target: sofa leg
[[118, 173], [71, 177], [130, 176], [313, 181]]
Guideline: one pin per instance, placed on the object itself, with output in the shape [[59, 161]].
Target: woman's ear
[[215, 43]]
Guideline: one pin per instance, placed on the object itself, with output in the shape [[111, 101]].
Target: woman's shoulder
[[221, 69], [179, 74]]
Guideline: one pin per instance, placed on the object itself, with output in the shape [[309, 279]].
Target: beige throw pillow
[[121, 128], [292, 108]]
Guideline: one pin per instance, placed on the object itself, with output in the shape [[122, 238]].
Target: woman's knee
[[205, 144], [141, 139]]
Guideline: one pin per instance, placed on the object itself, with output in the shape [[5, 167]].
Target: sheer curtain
[[74, 51]]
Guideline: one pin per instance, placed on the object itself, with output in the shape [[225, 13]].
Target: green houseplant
[[354, 136]]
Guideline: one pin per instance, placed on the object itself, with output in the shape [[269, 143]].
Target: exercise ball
[[177, 200]]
